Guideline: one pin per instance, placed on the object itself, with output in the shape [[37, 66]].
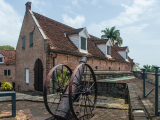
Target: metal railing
[[143, 76]]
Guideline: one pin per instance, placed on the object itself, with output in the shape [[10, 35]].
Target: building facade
[[44, 42], [7, 66]]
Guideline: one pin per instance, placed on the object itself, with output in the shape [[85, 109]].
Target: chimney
[[116, 43], [28, 6]]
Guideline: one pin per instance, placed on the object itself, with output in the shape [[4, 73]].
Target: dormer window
[[79, 38], [83, 43], [104, 46], [1, 58]]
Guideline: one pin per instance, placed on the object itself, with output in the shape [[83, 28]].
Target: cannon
[[71, 95]]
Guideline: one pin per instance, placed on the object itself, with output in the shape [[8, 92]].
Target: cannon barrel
[[63, 110]]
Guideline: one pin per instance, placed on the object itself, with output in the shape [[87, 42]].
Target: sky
[[137, 20]]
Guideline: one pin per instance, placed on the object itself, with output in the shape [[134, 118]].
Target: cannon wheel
[[83, 101], [55, 85]]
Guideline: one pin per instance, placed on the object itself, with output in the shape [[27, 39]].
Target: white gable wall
[[75, 40], [102, 47], [123, 54]]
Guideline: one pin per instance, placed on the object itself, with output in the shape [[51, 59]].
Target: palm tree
[[113, 34]]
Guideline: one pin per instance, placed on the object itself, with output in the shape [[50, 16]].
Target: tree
[[136, 67], [7, 47], [147, 67], [113, 34]]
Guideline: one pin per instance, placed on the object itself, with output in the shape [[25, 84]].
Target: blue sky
[[137, 20]]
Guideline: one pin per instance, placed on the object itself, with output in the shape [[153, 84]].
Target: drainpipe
[[53, 80]]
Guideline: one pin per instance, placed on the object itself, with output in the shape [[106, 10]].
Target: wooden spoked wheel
[[55, 86], [82, 92]]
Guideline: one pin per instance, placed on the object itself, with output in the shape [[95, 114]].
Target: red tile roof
[[100, 41], [55, 32], [117, 48], [75, 31], [9, 56]]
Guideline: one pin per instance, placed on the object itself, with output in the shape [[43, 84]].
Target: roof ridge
[[53, 20]]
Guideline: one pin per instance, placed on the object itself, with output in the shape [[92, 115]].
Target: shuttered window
[[31, 39], [83, 43], [108, 50], [126, 55], [23, 42], [7, 72]]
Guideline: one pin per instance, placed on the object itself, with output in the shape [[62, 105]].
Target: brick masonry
[[25, 59], [7, 78]]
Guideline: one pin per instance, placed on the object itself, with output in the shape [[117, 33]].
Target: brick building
[[7, 66], [46, 42]]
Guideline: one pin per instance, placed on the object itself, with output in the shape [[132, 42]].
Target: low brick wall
[[112, 89], [108, 74]]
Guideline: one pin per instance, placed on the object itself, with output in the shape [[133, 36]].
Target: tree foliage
[[136, 67], [113, 34], [7, 47], [149, 68]]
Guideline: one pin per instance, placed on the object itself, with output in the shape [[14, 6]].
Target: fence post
[[144, 83], [156, 91]]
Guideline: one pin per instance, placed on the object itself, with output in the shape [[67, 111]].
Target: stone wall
[[149, 77], [112, 89]]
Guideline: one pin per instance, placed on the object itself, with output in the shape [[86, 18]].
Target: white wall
[[122, 53], [75, 40], [102, 47]]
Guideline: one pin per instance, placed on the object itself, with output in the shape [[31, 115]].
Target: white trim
[[35, 20]]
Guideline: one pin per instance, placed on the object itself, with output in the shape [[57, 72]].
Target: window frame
[[7, 72], [108, 52], [85, 44], [27, 75], [2, 59]]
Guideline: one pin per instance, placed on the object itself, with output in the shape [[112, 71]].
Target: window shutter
[[31, 39], [108, 50], [126, 55], [83, 43], [5, 72], [23, 42], [9, 72]]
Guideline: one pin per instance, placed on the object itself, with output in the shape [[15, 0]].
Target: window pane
[[9, 72], [27, 75], [5, 72], [0, 59], [83, 43]]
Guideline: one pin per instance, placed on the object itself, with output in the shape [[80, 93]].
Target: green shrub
[[7, 86], [63, 82]]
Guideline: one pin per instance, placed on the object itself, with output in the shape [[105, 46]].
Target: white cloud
[[10, 24], [94, 2], [138, 11], [68, 9], [75, 3], [76, 23]]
